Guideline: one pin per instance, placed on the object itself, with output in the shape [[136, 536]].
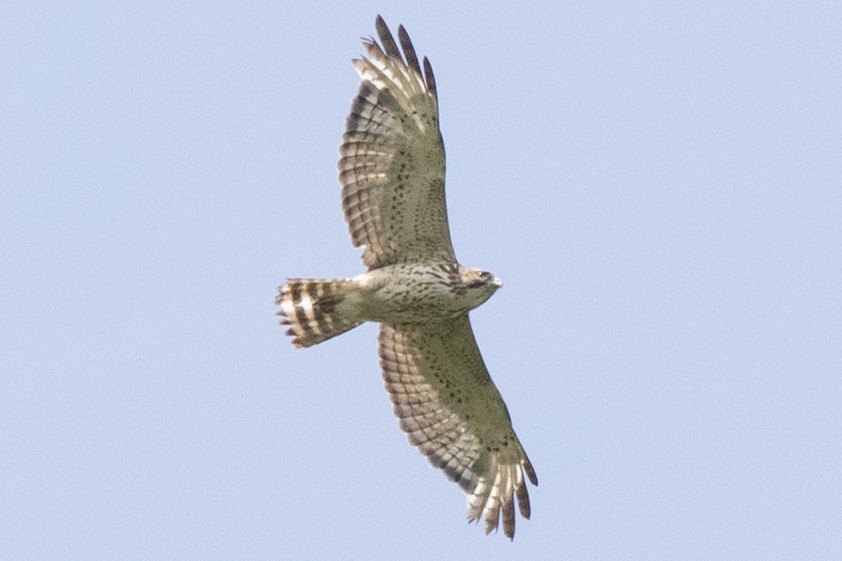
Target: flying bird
[[391, 172]]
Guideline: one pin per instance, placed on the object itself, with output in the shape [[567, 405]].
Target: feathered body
[[391, 169]]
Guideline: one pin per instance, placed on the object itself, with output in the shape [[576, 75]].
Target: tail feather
[[312, 309]]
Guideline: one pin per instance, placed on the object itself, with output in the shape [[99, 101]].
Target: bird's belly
[[412, 295]]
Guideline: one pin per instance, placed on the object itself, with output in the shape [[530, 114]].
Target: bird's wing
[[391, 165], [451, 410]]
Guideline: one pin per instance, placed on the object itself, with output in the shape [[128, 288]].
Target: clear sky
[[658, 187]]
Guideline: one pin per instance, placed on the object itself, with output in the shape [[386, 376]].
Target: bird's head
[[479, 285]]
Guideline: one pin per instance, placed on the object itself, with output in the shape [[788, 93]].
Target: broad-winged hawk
[[391, 170]]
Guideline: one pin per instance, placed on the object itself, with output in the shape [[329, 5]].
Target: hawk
[[391, 172]]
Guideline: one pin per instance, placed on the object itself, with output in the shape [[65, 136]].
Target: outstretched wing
[[451, 410], [391, 164]]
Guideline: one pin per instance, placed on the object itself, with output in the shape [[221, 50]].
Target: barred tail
[[312, 309]]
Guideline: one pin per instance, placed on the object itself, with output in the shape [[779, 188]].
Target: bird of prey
[[391, 172]]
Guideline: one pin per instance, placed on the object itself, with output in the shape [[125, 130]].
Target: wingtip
[[530, 471]]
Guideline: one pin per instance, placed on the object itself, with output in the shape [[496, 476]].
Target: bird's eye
[[482, 280]]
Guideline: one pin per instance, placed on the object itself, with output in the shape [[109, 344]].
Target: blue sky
[[658, 187]]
